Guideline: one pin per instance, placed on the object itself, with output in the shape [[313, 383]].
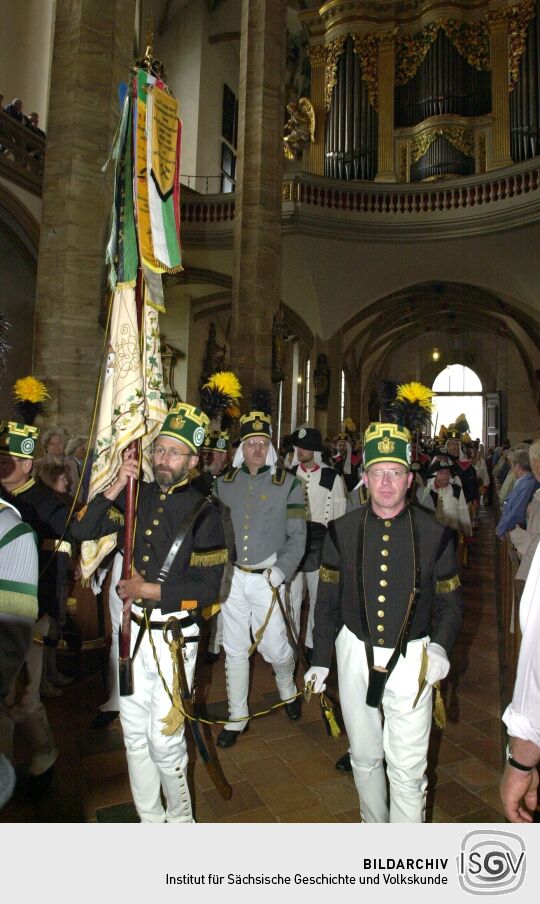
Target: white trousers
[[156, 760], [244, 612], [401, 738]]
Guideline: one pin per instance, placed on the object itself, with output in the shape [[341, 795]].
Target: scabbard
[[207, 753]]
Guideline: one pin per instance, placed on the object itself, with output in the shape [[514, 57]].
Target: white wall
[[26, 31]]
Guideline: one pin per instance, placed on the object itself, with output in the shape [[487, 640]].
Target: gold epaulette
[[213, 557], [448, 585], [230, 475], [328, 575]]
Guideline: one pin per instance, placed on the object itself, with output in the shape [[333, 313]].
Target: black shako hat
[[307, 438]]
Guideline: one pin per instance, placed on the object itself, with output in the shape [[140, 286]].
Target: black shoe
[[344, 763], [294, 709], [210, 658], [227, 738], [104, 719]]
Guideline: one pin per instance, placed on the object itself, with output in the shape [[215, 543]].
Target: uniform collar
[[175, 488], [260, 471], [23, 487], [400, 514], [309, 470]]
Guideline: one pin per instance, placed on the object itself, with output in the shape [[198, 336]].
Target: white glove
[[275, 576], [438, 664], [318, 673]]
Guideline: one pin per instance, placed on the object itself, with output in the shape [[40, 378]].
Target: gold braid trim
[[116, 516], [333, 52], [449, 585], [328, 575], [216, 557]]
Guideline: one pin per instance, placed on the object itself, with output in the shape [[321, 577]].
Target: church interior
[[358, 205]]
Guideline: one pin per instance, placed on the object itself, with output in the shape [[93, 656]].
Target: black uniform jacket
[[197, 569], [374, 557]]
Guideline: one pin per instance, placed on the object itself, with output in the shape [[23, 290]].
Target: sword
[[208, 756], [327, 710]]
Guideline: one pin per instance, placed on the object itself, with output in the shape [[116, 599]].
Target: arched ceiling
[[371, 335]]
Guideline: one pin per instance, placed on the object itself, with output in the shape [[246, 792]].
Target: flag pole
[[125, 662]]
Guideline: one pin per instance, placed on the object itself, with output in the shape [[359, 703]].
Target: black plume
[[4, 347], [386, 391], [261, 400]]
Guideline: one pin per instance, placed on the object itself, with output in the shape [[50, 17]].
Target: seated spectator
[[515, 506], [14, 109], [510, 478], [525, 539]]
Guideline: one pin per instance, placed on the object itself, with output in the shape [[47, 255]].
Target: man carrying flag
[[178, 560]]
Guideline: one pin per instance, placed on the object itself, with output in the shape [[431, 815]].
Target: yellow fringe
[[216, 557], [174, 719], [116, 516], [335, 730], [328, 575], [449, 585], [439, 712]]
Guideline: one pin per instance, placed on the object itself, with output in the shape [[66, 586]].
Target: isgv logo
[[491, 863]]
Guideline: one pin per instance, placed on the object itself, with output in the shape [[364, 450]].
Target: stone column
[[385, 92], [92, 52], [314, 156], [257, 237], [498, 34], [335, 359]]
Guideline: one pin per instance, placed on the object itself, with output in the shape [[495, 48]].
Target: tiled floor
[[284, 772]]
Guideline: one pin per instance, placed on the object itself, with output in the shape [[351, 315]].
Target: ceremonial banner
[[157, 223], [132, 404]]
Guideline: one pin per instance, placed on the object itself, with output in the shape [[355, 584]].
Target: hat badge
[[301, 433], [258, 424], [386, 446], [177, 422]]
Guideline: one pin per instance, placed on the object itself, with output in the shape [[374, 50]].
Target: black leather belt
[[252, 570], [159, 625]]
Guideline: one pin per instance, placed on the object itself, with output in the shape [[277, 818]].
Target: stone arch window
[[458, 391]]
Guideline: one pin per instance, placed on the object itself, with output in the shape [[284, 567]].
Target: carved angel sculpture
[[299, 128]]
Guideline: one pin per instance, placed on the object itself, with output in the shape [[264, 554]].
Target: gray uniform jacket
[[268, 517]]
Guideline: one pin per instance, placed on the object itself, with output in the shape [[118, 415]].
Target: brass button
[[155, 522], [245, 536], [380, 627], [244, 559], [381, 641], [245, 548], [143, 572], [384, 567], [383, 583], [380, 613], [146, 558], [160, 510], [384, 552], [162, 496], [388, 524], [147, 533], [381, 599], [386, 537]]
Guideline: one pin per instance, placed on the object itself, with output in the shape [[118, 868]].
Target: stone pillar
[[92, 52], [335, 359], [385, 92], [314, 155], [257, 237], [498, 34]]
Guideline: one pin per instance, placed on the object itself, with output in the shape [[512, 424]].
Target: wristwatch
[[514, 763]]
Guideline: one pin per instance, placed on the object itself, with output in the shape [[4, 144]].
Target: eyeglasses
[[255, 444], [390, 474], [173, 454]]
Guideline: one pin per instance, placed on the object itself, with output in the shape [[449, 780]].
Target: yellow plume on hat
[[30, 389], [416, 393], [226, 382]]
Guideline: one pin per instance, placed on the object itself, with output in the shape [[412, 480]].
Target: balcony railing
[[22, 154], [486, 202]]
